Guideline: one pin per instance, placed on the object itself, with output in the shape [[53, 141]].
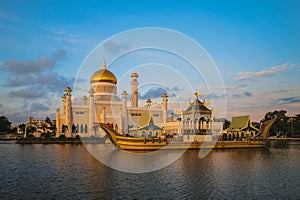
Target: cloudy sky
[[254, 44]]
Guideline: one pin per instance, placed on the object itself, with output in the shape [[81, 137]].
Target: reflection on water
[[133, 162], [69, 171]]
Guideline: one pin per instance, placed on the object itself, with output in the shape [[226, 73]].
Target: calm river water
[[70, 172]]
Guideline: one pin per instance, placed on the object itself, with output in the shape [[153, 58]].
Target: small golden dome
[[164, 95], [68, 89], [134, 74], [103, 75]]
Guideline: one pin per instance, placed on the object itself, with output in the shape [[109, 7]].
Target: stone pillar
[[103, 115], [58, 124], [69, 114], [91, 112], [134, 90], [164, 107], [124, 114]]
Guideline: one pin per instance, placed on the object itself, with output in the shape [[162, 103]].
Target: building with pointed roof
[[145, 127], [240, 128], [197, 118]]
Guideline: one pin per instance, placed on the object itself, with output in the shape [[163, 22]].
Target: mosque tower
[[68, 111], [66, 118], [164, 107], [58, 126], [134, 90], [91, 111]]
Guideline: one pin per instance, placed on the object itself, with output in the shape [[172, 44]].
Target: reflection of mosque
[[104, 106]]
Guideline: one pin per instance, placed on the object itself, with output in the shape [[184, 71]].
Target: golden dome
[[103, 75]]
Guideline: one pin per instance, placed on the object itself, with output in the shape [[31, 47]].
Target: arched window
[[143, 134], [85, 128], [150, 134], [81, 128]]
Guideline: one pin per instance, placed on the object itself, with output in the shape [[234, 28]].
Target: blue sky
[[255, 45]]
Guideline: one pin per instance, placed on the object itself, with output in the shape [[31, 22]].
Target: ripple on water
[[70, 172]]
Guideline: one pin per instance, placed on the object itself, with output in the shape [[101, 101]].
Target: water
[[70, 172]]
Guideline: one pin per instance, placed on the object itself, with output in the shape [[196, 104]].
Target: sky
[[255, 46]]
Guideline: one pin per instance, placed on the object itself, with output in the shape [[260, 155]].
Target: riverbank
[[59, 140], [48, 141], [174, 145]]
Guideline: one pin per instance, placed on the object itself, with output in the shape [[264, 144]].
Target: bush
[[62, 136], [30, 135], [47, 135], [77, 137]]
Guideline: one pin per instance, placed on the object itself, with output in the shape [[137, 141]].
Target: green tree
[[295, 126], [46, 135], [226, 124], [22, 127], [14, 130], [5, 124], [256, 124], [53, 129], [31, 129]]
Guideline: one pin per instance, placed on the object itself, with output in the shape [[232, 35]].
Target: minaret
[[134, 90], [68, 107], [58, 126], [124, 114], [164, 107], [91, 110], [63, 104]]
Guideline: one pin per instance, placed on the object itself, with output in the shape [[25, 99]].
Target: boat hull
[[153, 144], [190, 146]]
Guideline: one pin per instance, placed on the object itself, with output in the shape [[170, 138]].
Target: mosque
[[103, 105]]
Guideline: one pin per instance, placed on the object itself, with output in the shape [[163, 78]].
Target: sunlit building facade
[[102, 105]]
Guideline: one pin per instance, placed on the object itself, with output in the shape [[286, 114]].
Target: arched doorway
[[31, 131]]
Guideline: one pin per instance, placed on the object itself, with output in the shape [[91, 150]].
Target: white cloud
[[254, 76]]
